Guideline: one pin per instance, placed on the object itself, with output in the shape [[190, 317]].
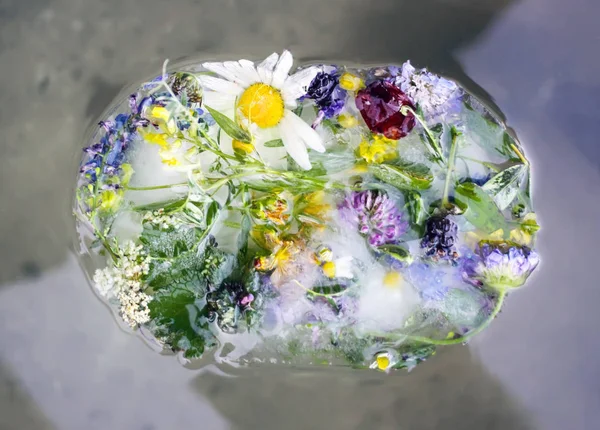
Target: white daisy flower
[[263, 96]]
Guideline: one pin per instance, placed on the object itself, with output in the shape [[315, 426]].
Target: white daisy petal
[[265, 69], [241, 74], [218, 101], [220, 85], [296, 85], [250, 69], [294, 146], [219, 69], [282, 68], [309, 136]]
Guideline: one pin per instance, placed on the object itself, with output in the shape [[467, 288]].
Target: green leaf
[[416, 208], [230, 127], [397, 252], [181, 322], [327, 290], [410, 177], [200, 209], [242, 241], [505, 186], [193, 270], [168, 244], [483, 131], [481, 211], [275, 143], [169, 206], [332, 161]]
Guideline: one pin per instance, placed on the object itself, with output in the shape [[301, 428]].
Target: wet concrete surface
[[64, 363]]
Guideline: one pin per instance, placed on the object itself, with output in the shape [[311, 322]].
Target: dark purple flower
[[375, 216], [500, 265], [439, 240], [327, 94]]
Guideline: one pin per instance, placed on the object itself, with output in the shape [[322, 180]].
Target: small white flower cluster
[[159, 219], [430, 92], [123, 280]]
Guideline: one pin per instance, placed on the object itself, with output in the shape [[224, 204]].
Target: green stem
[[435, 146], [451, 159], [483, 163], [462, 339], [214, 147], [519, 154], [154, 187]]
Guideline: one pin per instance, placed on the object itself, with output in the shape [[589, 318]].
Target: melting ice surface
[[214, 237]]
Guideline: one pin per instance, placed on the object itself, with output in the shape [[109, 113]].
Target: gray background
[[64, 363]]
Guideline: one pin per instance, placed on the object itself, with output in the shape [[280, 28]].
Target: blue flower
[[500, 265], [327, 94], [428, 281], [109, 152], [435, 95]]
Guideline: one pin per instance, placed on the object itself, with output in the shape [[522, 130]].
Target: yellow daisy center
[[383, 362], [262, 104]]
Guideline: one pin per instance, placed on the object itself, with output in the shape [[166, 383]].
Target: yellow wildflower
[[242, 147], [312, 208], [161, 116], [347, 121], [169, 156], [159, 139], [285, 261], [378, 150], [110, 200], [351, 82]]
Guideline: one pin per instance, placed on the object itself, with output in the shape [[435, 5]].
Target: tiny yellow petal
[[378, 150], [329, 269], [160, 113], [347, 121], [351, 82]]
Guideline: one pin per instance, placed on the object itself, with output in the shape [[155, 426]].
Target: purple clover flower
[[500, 265], [375, 216], [327, 94]]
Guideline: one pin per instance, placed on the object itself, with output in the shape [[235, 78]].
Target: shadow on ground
[[450, 391], [17, 410]]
